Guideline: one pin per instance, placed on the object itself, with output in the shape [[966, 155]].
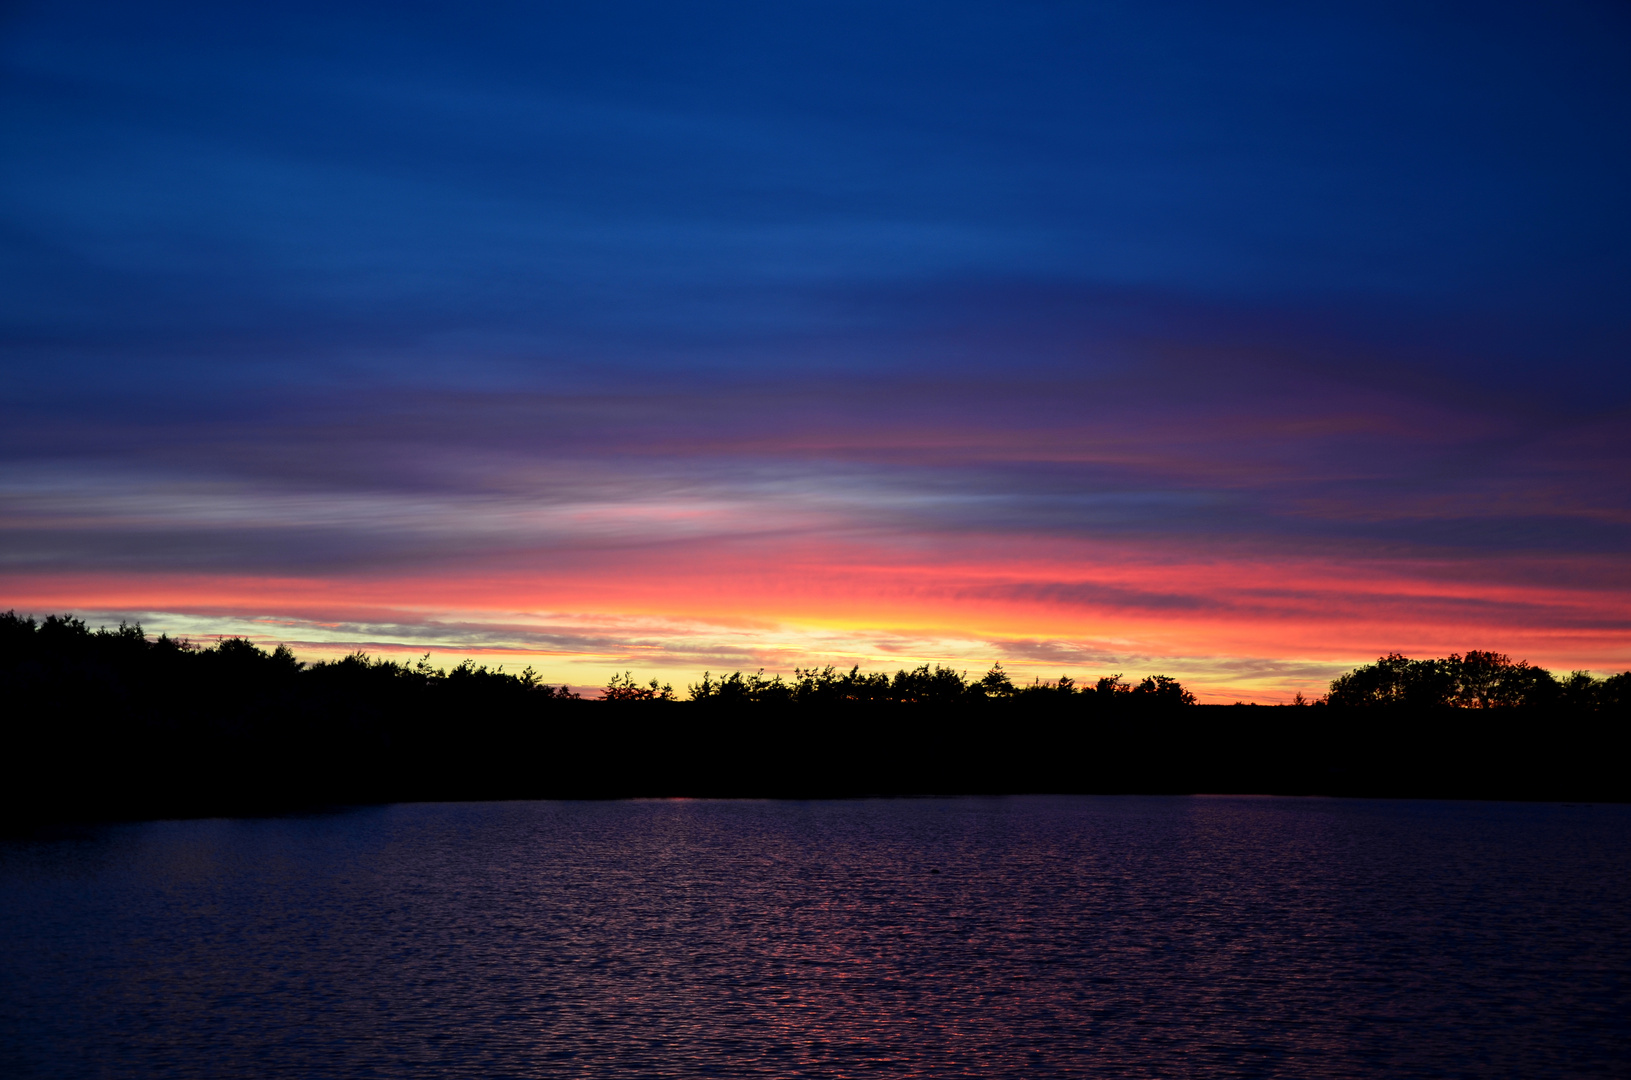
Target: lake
[[1112, 937]]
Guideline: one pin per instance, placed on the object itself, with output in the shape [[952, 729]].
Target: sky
[[1238, 342]]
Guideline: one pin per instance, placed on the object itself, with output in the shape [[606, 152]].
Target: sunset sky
[[1239, 342]]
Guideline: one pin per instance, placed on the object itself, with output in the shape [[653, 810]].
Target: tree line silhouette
[[64, 653], [1476, 680], [924, 685], [110, 722]]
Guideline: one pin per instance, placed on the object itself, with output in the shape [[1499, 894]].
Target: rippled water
[[969, 937]]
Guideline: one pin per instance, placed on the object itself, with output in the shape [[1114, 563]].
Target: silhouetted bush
[[624, 688]]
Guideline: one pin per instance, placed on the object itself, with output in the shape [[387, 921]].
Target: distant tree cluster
[[1475, 680], [923, 685], [64, 656]]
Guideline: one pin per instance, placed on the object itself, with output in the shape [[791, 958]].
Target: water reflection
[[1106, 937]]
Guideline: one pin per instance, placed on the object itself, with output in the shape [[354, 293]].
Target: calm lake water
[[1124, 937]]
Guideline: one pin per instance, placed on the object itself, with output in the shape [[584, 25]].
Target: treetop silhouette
[[1474, 680]]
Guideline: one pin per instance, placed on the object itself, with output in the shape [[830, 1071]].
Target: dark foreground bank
[[113, 725], [608, 751]]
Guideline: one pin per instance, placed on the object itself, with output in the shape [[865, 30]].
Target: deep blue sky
[[417, 191], [283, 286]]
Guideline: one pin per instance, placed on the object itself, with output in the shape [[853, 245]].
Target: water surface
[[965, 937]]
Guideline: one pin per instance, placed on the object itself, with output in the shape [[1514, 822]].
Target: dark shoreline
[[607, 750]]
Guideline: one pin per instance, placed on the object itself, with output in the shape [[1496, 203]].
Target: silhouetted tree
[[995, 684], [1108, 686], [1161, 690], [1474, 680], [624, 688]]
